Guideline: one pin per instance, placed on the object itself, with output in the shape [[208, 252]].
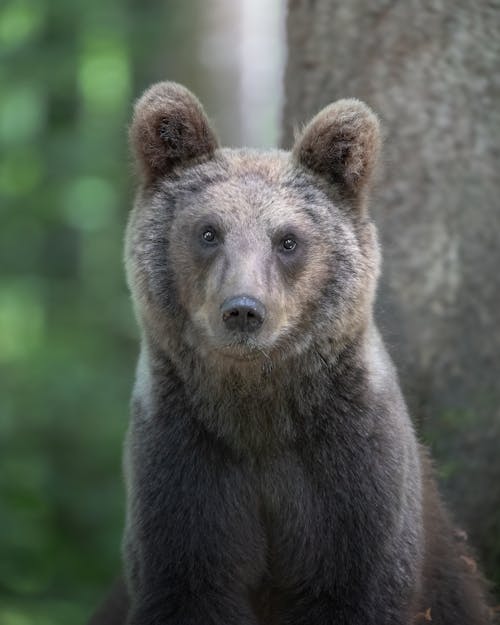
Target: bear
[[273, 473]]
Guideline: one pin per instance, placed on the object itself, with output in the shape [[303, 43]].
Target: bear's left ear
[[169, 129], [341, 144]]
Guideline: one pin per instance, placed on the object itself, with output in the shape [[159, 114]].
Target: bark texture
[[431, 71]]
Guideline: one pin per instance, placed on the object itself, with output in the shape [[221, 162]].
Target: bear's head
[[246, 256]]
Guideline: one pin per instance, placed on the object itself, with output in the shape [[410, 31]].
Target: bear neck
[[254, 406]]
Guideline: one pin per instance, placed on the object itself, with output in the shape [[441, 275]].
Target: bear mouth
[[243, 349]]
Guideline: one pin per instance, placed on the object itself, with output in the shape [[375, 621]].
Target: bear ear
[[341, 144], [169, 129]]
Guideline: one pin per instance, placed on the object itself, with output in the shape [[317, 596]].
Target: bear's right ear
[[169, 128]]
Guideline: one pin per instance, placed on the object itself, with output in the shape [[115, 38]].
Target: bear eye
[[288, 244], [208, 235]]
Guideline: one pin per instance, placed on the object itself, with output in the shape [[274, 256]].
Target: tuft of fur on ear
[[341, 144], [169, 129]]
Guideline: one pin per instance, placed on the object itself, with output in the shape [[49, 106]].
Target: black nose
[[243, 313]]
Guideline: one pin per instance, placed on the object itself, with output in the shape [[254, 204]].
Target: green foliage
[[67, 335]]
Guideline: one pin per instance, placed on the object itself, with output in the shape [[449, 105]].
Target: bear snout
[[243, 313]]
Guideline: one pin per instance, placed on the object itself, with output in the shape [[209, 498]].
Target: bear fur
[[273, 473]]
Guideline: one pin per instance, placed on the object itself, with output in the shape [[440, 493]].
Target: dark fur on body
[[272, 478]]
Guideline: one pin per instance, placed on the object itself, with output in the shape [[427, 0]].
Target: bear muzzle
[[243, 313]]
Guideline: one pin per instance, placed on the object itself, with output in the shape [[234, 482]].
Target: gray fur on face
[[253, 201]]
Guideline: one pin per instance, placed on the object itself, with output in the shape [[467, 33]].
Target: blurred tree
[[431, 72]]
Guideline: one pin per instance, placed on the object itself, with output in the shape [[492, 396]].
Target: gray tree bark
[[432, 72]]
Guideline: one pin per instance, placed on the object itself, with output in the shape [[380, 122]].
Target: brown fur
[[341, 143], [169, 127], [451, 574], [272, 477]]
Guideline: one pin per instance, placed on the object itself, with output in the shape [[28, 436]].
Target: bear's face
[[247, 255]]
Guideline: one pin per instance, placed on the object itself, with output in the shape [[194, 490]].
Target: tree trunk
[[431, 71]]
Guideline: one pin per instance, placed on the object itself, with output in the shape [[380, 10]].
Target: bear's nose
[[243, 313]]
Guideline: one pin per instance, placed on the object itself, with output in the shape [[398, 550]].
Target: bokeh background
[[69, 73]]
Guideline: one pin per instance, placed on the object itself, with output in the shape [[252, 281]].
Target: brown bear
[[273, 473]]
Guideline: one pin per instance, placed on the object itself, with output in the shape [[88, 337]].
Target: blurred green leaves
[[21, 320], [104, 73], [19, 21], [67, 336], [22, 114], [89, 203], [20, 171]]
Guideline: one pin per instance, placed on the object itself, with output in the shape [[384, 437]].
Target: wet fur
[[276, 480]]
